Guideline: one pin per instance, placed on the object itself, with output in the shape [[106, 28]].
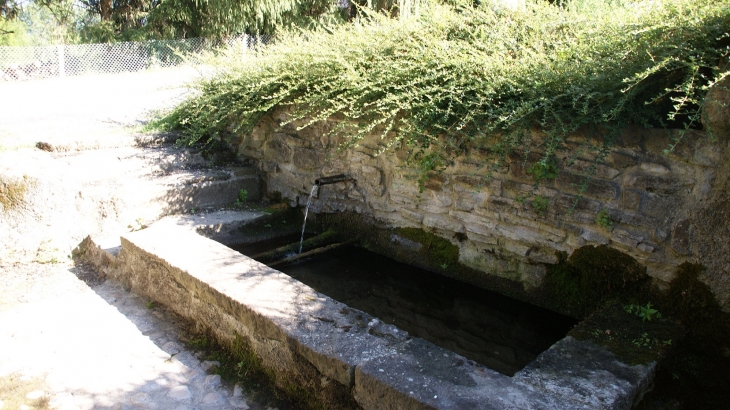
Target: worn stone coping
[[384, 366]]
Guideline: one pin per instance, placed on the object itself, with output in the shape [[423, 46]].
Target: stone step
[[106, 193], [222, 226]]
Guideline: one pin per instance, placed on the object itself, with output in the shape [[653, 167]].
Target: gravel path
[[96, 347]]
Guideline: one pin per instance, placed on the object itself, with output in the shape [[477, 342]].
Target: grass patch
[[12, 193]]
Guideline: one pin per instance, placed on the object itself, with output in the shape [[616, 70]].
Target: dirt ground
[[69, 339]]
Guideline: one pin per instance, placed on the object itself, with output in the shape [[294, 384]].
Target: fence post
[[61, 61]]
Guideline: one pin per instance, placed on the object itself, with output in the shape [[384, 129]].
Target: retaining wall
[[652, 199]]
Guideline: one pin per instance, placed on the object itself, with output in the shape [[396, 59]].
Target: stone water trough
[[329, 350]]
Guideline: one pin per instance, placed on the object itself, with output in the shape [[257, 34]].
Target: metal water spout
[[315, 193], [332, 179]]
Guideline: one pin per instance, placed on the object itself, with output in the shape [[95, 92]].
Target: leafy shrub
[[460, 75]]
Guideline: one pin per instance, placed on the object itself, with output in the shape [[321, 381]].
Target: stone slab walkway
[[66, 345]]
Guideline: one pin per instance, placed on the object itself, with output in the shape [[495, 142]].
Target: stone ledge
[[380, 365]]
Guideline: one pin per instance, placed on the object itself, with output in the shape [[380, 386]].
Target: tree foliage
[[192, 18], [135, 19]]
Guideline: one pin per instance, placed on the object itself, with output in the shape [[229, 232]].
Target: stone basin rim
[[379, 364]]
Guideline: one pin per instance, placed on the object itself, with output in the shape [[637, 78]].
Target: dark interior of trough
[[501, 333]]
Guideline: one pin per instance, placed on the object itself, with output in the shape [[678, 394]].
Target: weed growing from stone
[[540, 203], [241, 198], [644, 312], [603, 219]]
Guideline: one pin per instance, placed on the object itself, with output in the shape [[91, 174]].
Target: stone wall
[[652, 198]]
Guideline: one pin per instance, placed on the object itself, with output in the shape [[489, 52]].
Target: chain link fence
[[29, 63]]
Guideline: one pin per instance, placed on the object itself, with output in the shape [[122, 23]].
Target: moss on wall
[[694, 375], [438, 250], [632, 339], [590, 277]]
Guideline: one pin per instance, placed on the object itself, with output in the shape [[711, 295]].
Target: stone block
[[653, 168], [575, 241], [661, 233], [542, 255], [371, 178], [486, 261], [600, 171], [486, 213], [384, 206], [594, 236], [704, 190], [402, 187], [312, 132], [468, 198], [594, 188], [513, 189], [580, 217], [412, 215], [665, 184], [707, 155], [308, 159], [660, 206], [570, 228], [485, 228], [435, 202], [572, 208], [501, 204], [644, 247], [622, 160], [248, 152], [435, 181], [631, 200], [547, 232], [532, 275], [682, 236], [400, 200], [277, 151], [614, 386], [482, 241], [530, 236], [633, 218], [626, 238], [443, 222]]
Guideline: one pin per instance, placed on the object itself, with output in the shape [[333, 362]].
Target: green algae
[[592, 276]]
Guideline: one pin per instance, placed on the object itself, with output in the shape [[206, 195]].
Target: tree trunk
[[105, 7]]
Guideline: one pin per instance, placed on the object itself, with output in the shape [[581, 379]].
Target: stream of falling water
[[306, 211]]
